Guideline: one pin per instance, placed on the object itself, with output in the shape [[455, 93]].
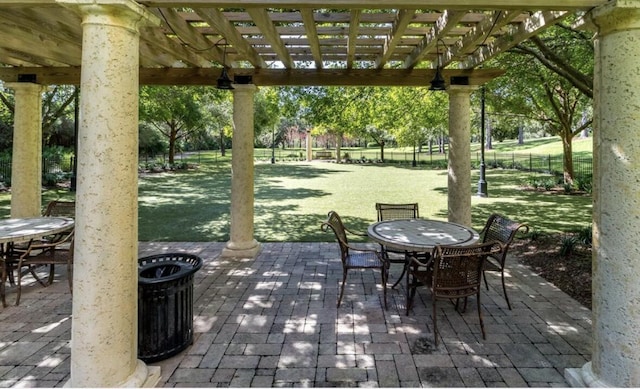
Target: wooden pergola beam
[[261, 19], [433, 4], [267, 77]]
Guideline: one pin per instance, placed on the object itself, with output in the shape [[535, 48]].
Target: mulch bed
[[572, 274]]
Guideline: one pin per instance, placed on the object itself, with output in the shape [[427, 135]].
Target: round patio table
[[24, 229], [19, 230], [419, 236]]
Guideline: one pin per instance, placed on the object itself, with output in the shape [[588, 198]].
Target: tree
[[555, 88], [267, 115], [57, 116], [330, 110], [419, 115], [218, 116], [175, 111]]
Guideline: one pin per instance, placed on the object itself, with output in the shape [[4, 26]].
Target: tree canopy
[[550, 79]]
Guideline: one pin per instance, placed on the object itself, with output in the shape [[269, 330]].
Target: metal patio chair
[[40, 253], [389, 211], [353, 257], [452, 273], [501, 229]]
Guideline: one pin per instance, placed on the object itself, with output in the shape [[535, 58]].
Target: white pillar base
[[143, 377], [241, 250], [583, 377]]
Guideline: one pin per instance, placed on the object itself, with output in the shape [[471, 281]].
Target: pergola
[[110, 47]]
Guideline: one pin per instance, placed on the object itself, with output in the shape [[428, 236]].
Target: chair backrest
[[397, 211], [334, 222], [457, 270], [61, 208], [63, 243], [502, 229]]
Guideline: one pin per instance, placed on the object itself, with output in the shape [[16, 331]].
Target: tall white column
[[616, 210], [241, 243], [105, 278], [309, 147], [26, 165], [459, 181]]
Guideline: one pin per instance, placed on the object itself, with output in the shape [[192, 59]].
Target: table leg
[[409, 284], [404, 270]]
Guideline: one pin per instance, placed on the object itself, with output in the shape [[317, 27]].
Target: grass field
[[293, 198]]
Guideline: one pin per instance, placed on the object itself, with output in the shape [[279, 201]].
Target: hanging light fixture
[[438, 81], [224, 82]]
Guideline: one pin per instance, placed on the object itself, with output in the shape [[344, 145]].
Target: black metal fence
[[551, 164], [53, 169]]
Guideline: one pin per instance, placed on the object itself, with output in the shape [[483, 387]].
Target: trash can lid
[[167, 267]]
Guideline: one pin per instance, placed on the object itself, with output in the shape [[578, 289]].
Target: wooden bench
[[324, 154]]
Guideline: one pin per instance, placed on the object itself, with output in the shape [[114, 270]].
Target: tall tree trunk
[[567, 156], [172, 146], [338, 147], [382, 151], [521, 135], [223, 150]]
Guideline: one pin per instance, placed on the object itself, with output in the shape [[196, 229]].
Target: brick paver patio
[[273, 322]]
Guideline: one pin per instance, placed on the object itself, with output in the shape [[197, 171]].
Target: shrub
[[548, 184], [585, 236], [535, 234], [584, 183], [51, 179], [568, 245]]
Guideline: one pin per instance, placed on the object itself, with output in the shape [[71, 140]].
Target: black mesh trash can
[[165, 304]]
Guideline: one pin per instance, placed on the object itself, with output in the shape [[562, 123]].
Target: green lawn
[[293, 198]]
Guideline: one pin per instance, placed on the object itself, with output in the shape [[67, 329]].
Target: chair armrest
[[415, 262], [39, 245], [355, 233], [363, 249]]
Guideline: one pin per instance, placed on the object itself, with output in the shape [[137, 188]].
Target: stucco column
[[309, 148], [459, 181], [26, 164], [616, 200], [241, 242], [105, 278]]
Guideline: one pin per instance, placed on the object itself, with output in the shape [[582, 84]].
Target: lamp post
[[482, 183], [413, 163]]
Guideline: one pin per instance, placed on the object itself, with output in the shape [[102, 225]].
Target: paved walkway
[[273, 322]]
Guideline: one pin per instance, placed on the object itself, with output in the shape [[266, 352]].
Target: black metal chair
[[501, 229], [452, 272], [388, 211], [38, 253], [353, 257], [57, 208]]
